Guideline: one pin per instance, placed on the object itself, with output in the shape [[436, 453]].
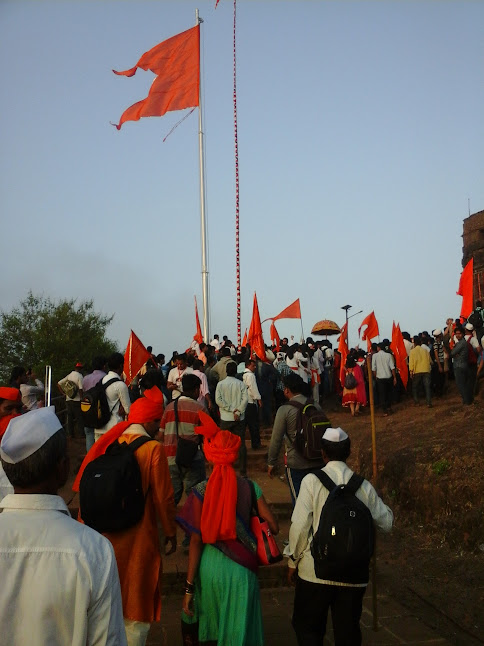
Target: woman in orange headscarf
[[222, 589]]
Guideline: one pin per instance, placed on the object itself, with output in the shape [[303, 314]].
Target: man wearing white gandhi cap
[[314, 596], [59, 578]]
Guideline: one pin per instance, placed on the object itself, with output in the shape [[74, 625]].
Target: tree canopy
[[40, 332]]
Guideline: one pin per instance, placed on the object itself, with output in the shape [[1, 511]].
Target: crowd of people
[[176, 416]]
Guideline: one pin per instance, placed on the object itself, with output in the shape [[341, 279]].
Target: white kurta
[[60, 581]]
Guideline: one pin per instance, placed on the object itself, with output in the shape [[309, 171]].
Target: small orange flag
[[292, 311], [198, 336], [176, 63], [275, 338], [255, 338], [343, 350], [244, 340], [399, 350], [135, 357], [466, 289]]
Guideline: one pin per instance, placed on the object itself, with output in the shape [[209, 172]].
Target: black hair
[[115, 361], [39, 466], [339, 451], [98, 363], [190, 382], [152, 378], [294, 382], [197, 364], [231, 368], [17, 372], [225, 352]]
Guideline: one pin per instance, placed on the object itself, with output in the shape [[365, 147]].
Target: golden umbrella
[[325, 328]]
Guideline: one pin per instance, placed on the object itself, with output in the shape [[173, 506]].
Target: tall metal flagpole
[[203, 223]]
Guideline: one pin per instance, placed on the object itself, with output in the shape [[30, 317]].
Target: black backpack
[[343, 543], [311, 425], [110, 492], [94, 405]]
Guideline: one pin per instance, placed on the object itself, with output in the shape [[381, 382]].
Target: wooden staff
[[375, 475]]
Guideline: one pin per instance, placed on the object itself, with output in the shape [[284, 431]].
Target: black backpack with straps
[[94, 405], [311, 424], [344, 541], [110, 492]]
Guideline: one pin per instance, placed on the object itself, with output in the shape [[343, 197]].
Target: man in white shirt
[[254, 403], [232, 398], [60, 581], [314, 597], [383, 368], [174, 381], [31, 393], [73, 401], [117, 394]]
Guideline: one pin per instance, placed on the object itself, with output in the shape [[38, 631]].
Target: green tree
[[41, 332]]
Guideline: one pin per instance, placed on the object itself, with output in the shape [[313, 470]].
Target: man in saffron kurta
[[137, 549]]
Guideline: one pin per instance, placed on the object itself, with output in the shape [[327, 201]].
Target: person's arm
[[381, 513], [301, 521], [277, 438], [254, 391], [266, 513], [194, 555], [123, 392]]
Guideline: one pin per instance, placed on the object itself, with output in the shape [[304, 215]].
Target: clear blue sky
[[361, 138]]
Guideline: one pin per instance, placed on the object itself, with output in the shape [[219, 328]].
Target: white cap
[[437, 332], [469, 327], [25, 434], [335, 435]]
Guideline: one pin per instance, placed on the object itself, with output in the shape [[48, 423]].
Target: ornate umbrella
[[325, 328]]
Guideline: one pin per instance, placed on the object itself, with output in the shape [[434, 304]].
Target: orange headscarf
[[143, 410], [220, 501], [14, 395]]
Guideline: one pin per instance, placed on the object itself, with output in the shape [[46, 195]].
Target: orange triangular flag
[[343, 350], [135, 357], [371, 327], [255, 338], [275, 339], [244, 340], [399, 350], [198, 336], [292, 311], [176, 63], [466, 289]]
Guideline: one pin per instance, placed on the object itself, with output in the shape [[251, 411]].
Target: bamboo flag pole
[[375, 474]]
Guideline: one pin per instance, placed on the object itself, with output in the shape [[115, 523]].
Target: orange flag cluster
[[176, 63], [466, 289], [399, 350]]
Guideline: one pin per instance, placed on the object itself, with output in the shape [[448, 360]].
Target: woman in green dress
[[222, 596]]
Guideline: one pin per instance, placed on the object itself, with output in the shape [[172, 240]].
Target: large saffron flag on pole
[[244, 340], [371, 330], [176, 63], [466, 289], [198, 336], [135, 357], [292, 311], [399, 350], [343, 350], [254, 337]]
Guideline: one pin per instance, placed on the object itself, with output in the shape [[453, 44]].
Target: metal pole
[[203, 223], [48, 385]]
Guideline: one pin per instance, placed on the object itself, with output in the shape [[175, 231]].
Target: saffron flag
[[466, 289], [244, 340], [198, 336], [343, 350], [275, 339], [176, 63], [135, 357], [292, 311], [371, 329], [255, 332], [399, 350]]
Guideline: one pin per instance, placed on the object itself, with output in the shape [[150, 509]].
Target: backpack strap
[[300, 408], [134, 446], [111, 381], [354, 483], [175, 406], [325, 480]]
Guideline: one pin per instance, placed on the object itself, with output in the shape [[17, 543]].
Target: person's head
[[335, 445], [79, 367], [231, 369], [191, 385], [34, 452], [151, 378], [250, 364], [116, 363], [160, 358], [478, 304], [215, 336], [149, 348], [19, 375], [406, 336], [437, 334], [191, 356], [350, 362], [148, 410], [417, 340], [225, 352], [385, 345], [181, 361], [198, 365], [10, 401], [374, 347], [293, 385], [202, 347], [98, 363], [459, 332]]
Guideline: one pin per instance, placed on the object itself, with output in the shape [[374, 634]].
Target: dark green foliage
[[41, 332]]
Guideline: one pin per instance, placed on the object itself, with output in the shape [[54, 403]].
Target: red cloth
[[135, 357], [4, 422], [221, 448], [176, 62], [244, 340], [292, 311], [371, 330], [466, 289], [275, 338], [12, 394], [399, 350], [198, 336], [145, 409], [343, 350], [255, 338]]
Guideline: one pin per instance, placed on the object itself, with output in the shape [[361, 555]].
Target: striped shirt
[[188, 418]]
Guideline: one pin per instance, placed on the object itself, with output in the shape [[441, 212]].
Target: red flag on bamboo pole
[[343, 350], [135, 357], [399, 350], [371, 329], [275, 338], [176, 63], [292, 311], [198, 336], [466, 289], [255, 332], [244, 340]]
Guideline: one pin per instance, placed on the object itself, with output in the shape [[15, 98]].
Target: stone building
[[473, 246]]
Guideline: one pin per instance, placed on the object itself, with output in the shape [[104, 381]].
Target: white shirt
[[382, 363], [251, 383], [216, 344], [30, 393], [203, 386], [60, 581], [75, 377], [175, 377], [231, 394], [117, 395], [307, 513]]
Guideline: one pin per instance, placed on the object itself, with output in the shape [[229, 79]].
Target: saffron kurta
[[137, 549]]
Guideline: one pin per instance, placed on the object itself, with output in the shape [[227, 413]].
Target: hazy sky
[[361, 138]]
